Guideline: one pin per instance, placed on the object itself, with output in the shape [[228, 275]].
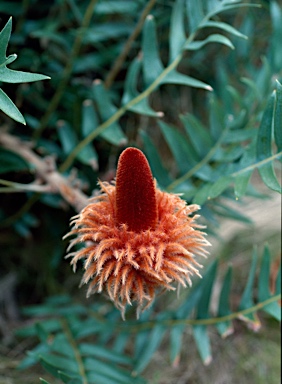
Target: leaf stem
[[257, 165], [67, 71], [199, 165], [69, 160], [78, 357], [122, 56], [136, 327]]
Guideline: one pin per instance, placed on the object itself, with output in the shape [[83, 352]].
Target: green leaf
[[215, 38], [263, 286], [190, 302], [177, 35], [278, 117], [219, 186], [225, 328], [67, 136], [8, 107], [247, 296], [32, 357], [269, 178], [10, 161], [264, 149], [152, 64], [228, 212], [130, 92], [208, 281], [153, 342], [56, 363], [60, 344], [158, 170], [216, 117], [198, 134], [239, 135], [174, 77], [11, 76], [4, 40], [113, 134], [113, 6], [225, 27], [202, 341], [179, 146], [44, 381], [110, 371], [176, 335], [264, 146], [203, 194], [227, 7], [195, 14], [88, 154], [100, 352], [241, 183]]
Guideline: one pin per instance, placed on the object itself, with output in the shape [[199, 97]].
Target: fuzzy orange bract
[[132, 266]]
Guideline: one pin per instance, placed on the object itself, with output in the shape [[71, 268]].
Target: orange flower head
[[138, 239]]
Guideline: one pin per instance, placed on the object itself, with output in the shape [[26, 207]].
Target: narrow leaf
[[264, 143], [247, 296], [67, 136], [263, 286], [227, 7], [278, 117], [44, 381], [195, 14], [131, 92], [179, 146], [177, 35], [264, 146], [269, 178], [113, 134], [215, 38], [158, 170], [198, 134], [225, 27], [11, 76], [152, 64], [219, 186], [100, 352], [202, 340], [225, 328], [174, 77], [208, 281], [8, 107], [176, 335], [241, 183], [150, 347], [203, 194], [216, 117], [4, 40]]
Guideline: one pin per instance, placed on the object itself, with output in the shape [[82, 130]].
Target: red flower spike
[[136, 204], [138, 239]]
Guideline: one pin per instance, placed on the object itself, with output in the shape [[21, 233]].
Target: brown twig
[[119, 61], [57, 182]]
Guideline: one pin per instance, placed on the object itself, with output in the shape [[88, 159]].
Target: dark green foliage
[[64, 325], [198, 89]]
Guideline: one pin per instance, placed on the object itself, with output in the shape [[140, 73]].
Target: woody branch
[[50, 176]]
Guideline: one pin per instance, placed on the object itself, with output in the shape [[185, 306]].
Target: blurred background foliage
[[197, 87]]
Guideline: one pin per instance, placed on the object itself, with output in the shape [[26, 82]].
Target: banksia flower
[[138, 239]]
